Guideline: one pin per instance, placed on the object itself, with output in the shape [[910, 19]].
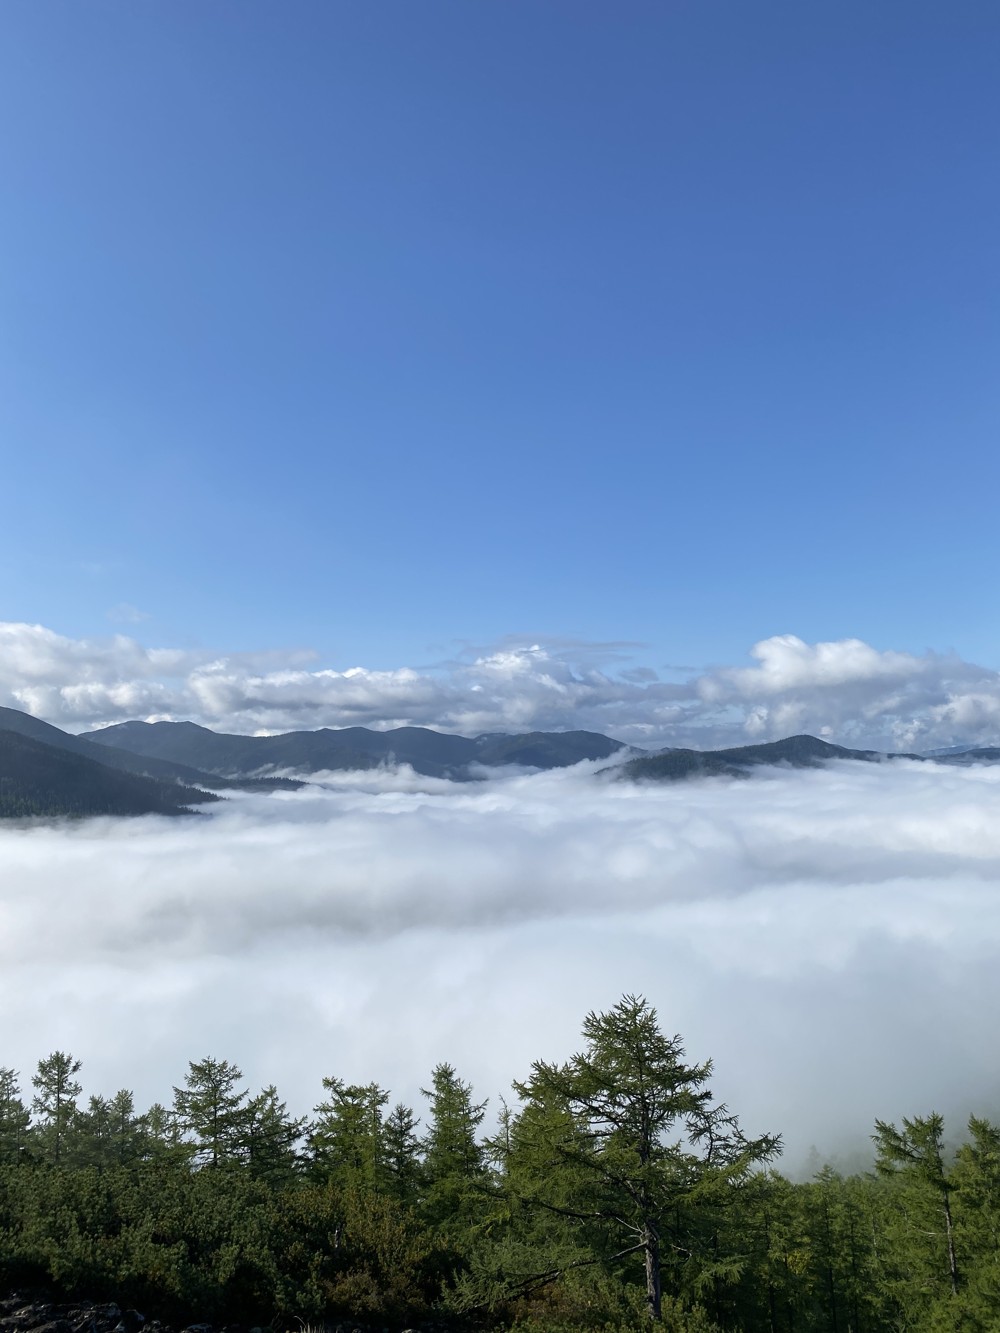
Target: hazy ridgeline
[[615, 1191]]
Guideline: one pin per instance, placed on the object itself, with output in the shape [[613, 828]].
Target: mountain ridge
[[128, 761], [40, 780], [801, 751], [165, 767], [431, 753]]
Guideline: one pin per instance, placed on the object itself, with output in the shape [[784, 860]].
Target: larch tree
[[210, 1110], [347, 1140], [54, 1102], [403, 1163], [914, 1156], [269, 1137], [624, 1140], [14, 1118], [454, 1160]]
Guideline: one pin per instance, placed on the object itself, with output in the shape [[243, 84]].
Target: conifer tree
[[914, 1157], [404, 1169], [55, 1103], [14, 1118], [92, 1130], [123, 1128], [347, 1139], [269, 1136], [210, 1111], [159, 1136], [454, 1160], [106, 1133], [593, 1144]]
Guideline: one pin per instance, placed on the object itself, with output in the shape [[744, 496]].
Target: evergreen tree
[[14, 1118], [403, 1166], [92, 1134], [454, 1160], [347, 1140], [211, 1112], [55, 1103], [159, 1137], [269, 1136], [913, 1157], [976, 1178], [107, 1132], [124, 1134], [594, 1147]]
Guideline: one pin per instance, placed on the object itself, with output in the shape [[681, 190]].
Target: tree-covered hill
[[546, 749], [38, 779], [197, 756], [793, 751], [434, 753], [13, 719]]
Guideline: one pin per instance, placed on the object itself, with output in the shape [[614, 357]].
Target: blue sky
[[385, 328], [417, 333]]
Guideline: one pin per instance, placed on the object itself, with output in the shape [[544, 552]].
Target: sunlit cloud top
[[847, 690]]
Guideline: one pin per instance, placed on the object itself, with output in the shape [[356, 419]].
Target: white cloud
[[124, 613], [846, 690], [828, 937]]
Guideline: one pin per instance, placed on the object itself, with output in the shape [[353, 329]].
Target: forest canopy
[[613, 1193]]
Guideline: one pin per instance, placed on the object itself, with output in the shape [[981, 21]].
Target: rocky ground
[[32, 1314]]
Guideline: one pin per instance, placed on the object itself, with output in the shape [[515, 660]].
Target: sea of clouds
[[846, 690], [829, 937]]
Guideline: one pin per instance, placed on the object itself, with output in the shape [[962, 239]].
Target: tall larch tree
[[54, 1102]]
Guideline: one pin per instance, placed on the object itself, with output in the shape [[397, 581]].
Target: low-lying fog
[[830, 938]]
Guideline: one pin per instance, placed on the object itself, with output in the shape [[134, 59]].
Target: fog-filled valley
[[826, 936]]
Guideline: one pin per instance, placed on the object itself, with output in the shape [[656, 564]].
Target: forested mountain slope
[[126, 761], [39, 779], [433, 753], [793, 751]]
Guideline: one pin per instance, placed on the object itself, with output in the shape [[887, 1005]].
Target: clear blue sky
[[375, 326]]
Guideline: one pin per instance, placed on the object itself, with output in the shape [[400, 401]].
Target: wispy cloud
[[828, 937], [847, 690], [124, 613]]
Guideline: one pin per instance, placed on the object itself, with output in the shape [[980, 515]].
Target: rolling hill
[[433, 753], [793, 752], [127, 761], [164, 767], [48, 780]]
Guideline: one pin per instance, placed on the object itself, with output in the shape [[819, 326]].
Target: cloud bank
[[828, 937], [847, 691]]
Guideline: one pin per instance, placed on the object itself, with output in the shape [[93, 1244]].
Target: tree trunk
[[952, 1262], [654, 1288]]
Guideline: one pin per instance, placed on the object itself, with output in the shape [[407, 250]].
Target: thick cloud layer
[[829, 937], [847, 690]]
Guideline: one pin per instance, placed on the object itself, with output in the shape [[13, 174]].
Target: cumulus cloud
[[829, 937], [846, 690]]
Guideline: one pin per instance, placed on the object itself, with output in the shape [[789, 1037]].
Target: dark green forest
[[614, 1193]]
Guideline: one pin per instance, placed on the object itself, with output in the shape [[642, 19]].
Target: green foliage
[[14, 1119], [919, 1212], [268, 1137], [595, 1146], [454, 1160], [616, 1193], [55, 1104], [210, 1111], [404, 1169], [348, 1138]]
